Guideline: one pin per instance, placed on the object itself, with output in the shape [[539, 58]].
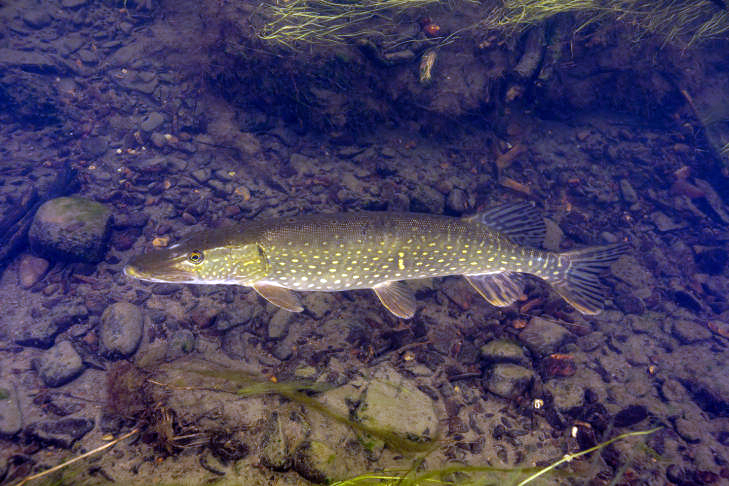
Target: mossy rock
[[71, 228]]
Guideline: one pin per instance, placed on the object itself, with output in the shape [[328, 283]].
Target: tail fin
[[578, 277]]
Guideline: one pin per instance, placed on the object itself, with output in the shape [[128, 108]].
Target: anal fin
[[499, 289], [396, 298], [279, 296]]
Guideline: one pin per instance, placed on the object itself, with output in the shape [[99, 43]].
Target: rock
[[712, 260], [664, 223], [88, 56], [59, 365], [39, 330], [71, 228], [319, 463], [247, 143], [73, 3], [306, 372], [202, 175], [152, 121], [504, 351], [233, 316], [279, 323], [689, 431], [181, 343], [32, 61], [61, 433], [558, 366], [630, 416], [553, 235], [11, 418], [544, 337], [31, 270], [130, 220], [393, 403], [37, 18], [457, 201], [94, 147], [318, 304], [566, 394], [630, 304], [284, 349], [508, 380], [303, 165], [627, 191], [121, 330], [689, 332], [630, 271], [425, 199]]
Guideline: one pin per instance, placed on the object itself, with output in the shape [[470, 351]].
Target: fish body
[[379, 250]]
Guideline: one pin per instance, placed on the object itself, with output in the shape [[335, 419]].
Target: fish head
[[201, 259]]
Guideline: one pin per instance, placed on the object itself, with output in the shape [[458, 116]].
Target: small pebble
[[31, 270]]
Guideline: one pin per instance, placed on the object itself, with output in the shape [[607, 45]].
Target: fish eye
[[196, 257]]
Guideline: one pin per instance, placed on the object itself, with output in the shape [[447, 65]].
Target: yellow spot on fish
[[400, 264]]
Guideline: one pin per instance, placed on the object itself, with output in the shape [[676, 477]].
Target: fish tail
[[577, 276]]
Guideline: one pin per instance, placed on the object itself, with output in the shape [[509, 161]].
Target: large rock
[[394, 404], [59, 365], [71, 228], [121, 330]]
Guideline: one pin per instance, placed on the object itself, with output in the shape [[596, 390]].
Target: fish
[[278, 257]]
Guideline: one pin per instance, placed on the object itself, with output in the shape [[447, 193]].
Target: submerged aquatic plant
[[327, 22], [298, 392], [475, 474], [295, 22], [677, 21]]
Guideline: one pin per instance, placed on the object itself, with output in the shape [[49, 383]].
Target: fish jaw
[[219, 265], [159, 267]]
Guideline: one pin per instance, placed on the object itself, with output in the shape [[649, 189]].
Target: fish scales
[[361, 250], [380, 250]]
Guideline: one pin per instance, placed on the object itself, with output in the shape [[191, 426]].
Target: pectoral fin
[[279, 296], [397, 298], [499, 289]]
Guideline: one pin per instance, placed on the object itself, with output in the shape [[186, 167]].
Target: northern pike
[[379, 250]]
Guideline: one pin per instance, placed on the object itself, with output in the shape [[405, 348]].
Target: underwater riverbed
[[127, 125]]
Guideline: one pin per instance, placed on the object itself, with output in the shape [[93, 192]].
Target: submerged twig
[[77, 458]]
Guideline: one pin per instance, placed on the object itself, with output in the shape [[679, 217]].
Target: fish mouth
[[151, 269]]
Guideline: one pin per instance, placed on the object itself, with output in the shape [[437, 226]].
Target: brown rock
[[31, 270]]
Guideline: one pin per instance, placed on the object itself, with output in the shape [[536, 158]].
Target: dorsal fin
[[520, 222]]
